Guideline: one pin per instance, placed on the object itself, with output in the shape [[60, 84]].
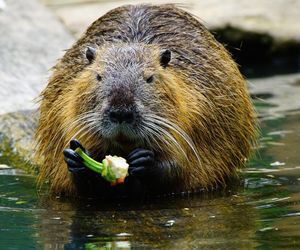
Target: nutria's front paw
[[141, 162], [73, 160]]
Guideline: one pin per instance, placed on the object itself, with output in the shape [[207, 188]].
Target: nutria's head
[[122, 88]]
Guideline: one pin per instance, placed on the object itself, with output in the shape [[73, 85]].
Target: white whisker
[[84, 119], [165, 122], [161, 131]]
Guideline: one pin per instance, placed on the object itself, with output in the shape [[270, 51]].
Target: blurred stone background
[[278, 18], [262, 35]]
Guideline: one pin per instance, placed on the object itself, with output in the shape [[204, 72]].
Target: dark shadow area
[[260, 55]]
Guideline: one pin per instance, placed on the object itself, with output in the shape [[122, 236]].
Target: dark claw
[[71, 154], [72, 159], [139, 171], [77, 170], [138, 153], [73, 166], [141, 162], [76, 144], [145, 161], [134, 151]]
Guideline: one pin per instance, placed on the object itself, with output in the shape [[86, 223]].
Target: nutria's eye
[[165, 57], [90, 54], [150, 79], [99, 78]]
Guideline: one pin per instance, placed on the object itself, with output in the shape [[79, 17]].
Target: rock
[[2, 4], [252, 30], [32, 39], [16, 139], [279, 19], [276, 18]]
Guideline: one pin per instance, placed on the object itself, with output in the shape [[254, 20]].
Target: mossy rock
[[16, 139]]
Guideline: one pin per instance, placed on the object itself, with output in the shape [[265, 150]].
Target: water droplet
[[292, 214], [265, 206], [169, 223], [281, 132], [123, 235], [277, 163], [3, 166], [267, 229]]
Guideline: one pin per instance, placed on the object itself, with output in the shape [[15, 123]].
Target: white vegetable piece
[[117, 165]]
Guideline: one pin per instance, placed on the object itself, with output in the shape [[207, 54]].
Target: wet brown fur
[[202, 91]]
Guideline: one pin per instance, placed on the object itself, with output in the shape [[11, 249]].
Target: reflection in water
[[225, 221], [262, 212]]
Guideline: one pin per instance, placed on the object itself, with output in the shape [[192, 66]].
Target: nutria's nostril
[[121, 116]]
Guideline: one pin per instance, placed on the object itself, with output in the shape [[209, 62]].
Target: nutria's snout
[[120, 116], [121, 121]]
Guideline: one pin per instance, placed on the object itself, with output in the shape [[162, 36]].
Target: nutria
[[151, 84]]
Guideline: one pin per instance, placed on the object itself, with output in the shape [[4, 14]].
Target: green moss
[[9, 156]]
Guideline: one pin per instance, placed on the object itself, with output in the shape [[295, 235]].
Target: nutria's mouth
[[122, 133], [123, 139], [121, 143]]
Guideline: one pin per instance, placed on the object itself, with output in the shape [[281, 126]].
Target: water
[[262, 212]]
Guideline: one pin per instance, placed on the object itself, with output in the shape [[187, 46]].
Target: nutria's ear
[[90, 53], [165, 57]]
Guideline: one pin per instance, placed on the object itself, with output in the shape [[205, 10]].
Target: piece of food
[[113, 168]]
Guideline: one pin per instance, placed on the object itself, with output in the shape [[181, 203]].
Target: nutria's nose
[[121, 116]]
